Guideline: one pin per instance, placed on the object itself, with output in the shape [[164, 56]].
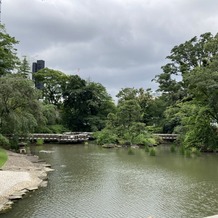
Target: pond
[[92, 182]]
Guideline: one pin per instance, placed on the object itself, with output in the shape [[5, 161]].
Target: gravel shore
[[20, 174]]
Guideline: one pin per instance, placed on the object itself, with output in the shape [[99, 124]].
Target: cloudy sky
[[119, 43]]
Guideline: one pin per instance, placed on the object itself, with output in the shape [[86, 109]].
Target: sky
[[118, 43]]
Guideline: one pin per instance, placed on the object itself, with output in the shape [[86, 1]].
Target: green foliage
[[154, 129], [197, 52], [9, 60], [182, 149], [152, 151], [20, 110], [173, 148], [146, 148], [3, 157], [24, 68], [4, 142], [126, 121], [86, 105], [130, 151], [152, 108], [105, 136], [192, 100], [187, 153], [57, 129], [39, 141], [54, 83]]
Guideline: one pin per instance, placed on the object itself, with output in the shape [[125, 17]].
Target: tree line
[[187, 104]]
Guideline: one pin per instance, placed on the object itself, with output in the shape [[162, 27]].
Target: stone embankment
[[20, 175]]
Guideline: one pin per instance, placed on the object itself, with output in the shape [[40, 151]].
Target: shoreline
[[21, 174]]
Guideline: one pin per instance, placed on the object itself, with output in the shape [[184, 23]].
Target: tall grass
[[39, 141], [152, 151], [3, 157]]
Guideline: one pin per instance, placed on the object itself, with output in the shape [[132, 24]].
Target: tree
[[86, 105], [193, 108], [54, 83], [197, 52], [151, 107], [125, 125], [20, 110], [8, 57], [24, 68]]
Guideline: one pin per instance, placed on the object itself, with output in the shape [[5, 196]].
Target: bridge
[[72, 137], [167, 137], [78, 137]]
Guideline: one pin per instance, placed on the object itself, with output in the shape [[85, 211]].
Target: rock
[[32, 188], [45, 151], [46, 165], [48, 169], [44, 184], [43, 176], [15, 197], [108, 146]]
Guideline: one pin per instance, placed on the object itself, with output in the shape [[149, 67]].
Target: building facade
[[36, 66]]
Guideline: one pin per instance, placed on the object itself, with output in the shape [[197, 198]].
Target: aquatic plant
[[130, 151], [152, 151], [173, 148], [39, 141]]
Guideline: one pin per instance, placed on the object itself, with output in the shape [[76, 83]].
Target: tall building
[[40, 64]]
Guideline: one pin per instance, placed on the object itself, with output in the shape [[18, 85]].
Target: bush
[[152, 151], [39, 141], [3, 157], [57, 129], [146, 148], [4, 142], [187, 153], [173, 148], [130, 151], [182, 150], [105, 137]]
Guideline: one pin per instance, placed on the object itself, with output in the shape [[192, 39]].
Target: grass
[[3, 157]]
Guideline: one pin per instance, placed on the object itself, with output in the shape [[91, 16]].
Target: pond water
[[92, 182]]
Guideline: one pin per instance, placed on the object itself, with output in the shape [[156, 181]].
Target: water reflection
[[92, 182]]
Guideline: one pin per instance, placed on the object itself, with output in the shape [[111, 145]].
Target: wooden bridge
[[78, 137], [73, 137], [167, 137]]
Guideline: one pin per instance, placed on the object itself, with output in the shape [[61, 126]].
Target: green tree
[[54, 83], [86, 105], [152, 108], [24, 68], [8, 57], [126, 123], [20, 110], [197, 52]]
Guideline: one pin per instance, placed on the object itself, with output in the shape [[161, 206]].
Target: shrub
[[39, 141], [146, 148], [187, 153], [3, 157], [182, 150], [57, 129], [105, 137], [152, 151], [173, 148], [130, 151], [4, 142]]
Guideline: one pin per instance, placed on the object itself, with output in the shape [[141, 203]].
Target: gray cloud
[[117, 43]]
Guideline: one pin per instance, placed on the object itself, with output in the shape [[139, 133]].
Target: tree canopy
[[8, 57], [86, 105]]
